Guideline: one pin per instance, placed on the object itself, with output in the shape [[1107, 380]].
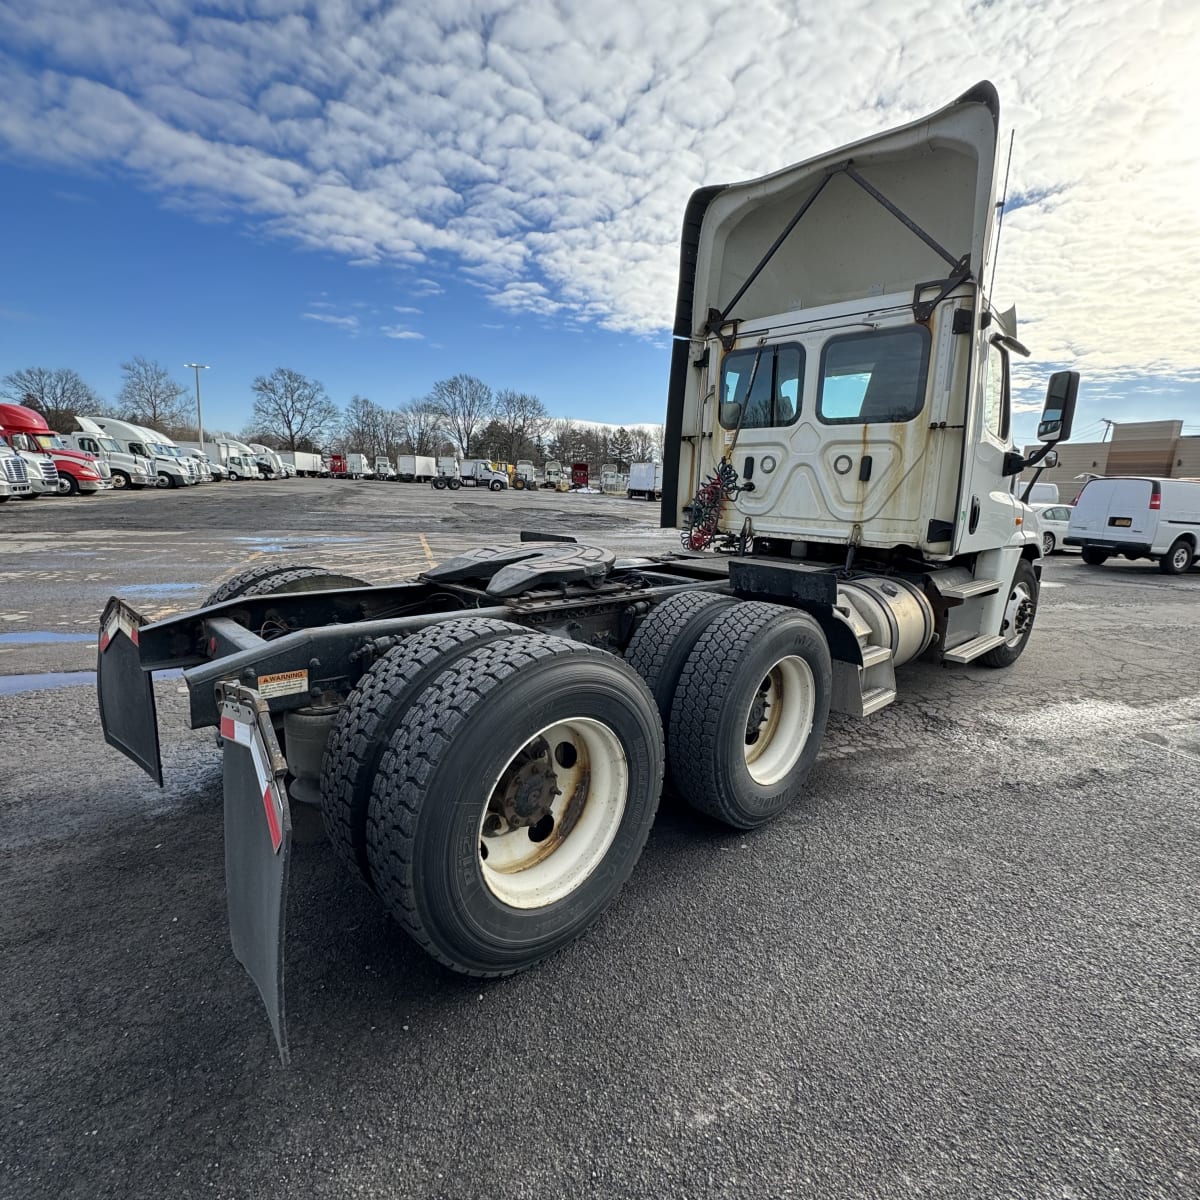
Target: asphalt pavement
[[966, 965]]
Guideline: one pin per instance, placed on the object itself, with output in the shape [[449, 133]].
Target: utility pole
[[198, 367], [1108, 428]]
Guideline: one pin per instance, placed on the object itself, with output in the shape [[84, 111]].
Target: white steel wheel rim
[[787, 700], [1182, 558], [1020, 595], [593, 790]]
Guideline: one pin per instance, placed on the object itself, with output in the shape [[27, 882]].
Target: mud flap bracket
[[258, 840]]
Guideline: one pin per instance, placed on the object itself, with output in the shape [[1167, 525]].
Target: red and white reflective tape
[[119, 622], [246, 733]]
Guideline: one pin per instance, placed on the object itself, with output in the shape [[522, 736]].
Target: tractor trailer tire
[[514, 800], [663, 640], [749, 713], [371, 714]]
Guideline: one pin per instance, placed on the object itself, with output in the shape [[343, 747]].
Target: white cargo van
[[1138, 518]]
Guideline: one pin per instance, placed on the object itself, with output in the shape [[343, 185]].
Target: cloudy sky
[[381, 195]]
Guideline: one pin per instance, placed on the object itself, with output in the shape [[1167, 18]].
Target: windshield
[[109, 445], [51, 441]]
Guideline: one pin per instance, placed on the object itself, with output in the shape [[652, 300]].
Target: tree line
[[462, 416]]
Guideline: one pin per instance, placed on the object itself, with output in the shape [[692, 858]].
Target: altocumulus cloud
[[548, 149]]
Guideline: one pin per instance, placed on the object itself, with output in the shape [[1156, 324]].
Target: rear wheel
[[1019, 614], [749, 713], [1178, 558], [1094, 557], [440, 484], [454, 484], [662, 642], [514, 800], [369, 717]]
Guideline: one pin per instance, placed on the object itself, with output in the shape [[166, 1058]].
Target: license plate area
[[1120, 522]]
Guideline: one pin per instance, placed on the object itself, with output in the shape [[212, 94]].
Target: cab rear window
[[876, 377]]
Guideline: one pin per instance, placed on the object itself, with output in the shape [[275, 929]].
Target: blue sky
[[257, 183]]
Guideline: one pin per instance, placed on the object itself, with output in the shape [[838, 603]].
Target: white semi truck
[[128, 470], [171, 466], [487, 742]]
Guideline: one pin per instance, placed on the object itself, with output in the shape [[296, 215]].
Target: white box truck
[[303, 462], [357, 467], [645, 481], [1136, 517], [415, 468]]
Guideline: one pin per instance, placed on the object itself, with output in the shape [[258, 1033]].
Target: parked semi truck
[[487, 742], [170, 465], [448, 474], [58, 466], [127, 470], [14, 473]]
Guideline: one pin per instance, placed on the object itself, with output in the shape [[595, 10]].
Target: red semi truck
[[26, 431]]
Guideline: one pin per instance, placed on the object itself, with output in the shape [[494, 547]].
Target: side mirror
[[1051, 460], [731, 412], [1059, 410]]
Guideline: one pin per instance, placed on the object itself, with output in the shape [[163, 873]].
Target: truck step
[[977, 587], [877, 698], [970, 651], [872, 656]]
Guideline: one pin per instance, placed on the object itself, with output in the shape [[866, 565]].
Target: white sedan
[[1053, 520]]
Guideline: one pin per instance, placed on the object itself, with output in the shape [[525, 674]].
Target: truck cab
[[384, 468], [169, 467], [127, 470], [14, 473], [54, 466], [840, 379]]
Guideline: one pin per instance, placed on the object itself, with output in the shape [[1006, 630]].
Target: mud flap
[[124, 691], [258, 842]]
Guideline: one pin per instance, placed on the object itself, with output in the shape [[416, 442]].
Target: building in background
[[1157, 448]]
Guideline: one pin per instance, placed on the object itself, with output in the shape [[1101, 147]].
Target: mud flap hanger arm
[[960, 268]]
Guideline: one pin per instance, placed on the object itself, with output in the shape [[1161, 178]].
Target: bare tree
[[362, 427], [522, 420], [422, 426], [465, 404], [149, 396], [292, 408], [58, 394], [644, 443]]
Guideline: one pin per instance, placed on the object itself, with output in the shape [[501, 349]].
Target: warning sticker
[[286, 683]]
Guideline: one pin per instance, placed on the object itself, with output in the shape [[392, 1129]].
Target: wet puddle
[[40, 637], [154, 589], [18, 685]]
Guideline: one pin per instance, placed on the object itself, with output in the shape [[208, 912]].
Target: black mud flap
[[258, 842], [125, 692]]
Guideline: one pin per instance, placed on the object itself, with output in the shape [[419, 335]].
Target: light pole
[[198, 367]]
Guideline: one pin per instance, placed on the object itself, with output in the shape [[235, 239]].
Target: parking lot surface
[[965, 966]]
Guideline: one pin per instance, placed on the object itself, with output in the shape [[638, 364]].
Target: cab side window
[[996, 407]]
